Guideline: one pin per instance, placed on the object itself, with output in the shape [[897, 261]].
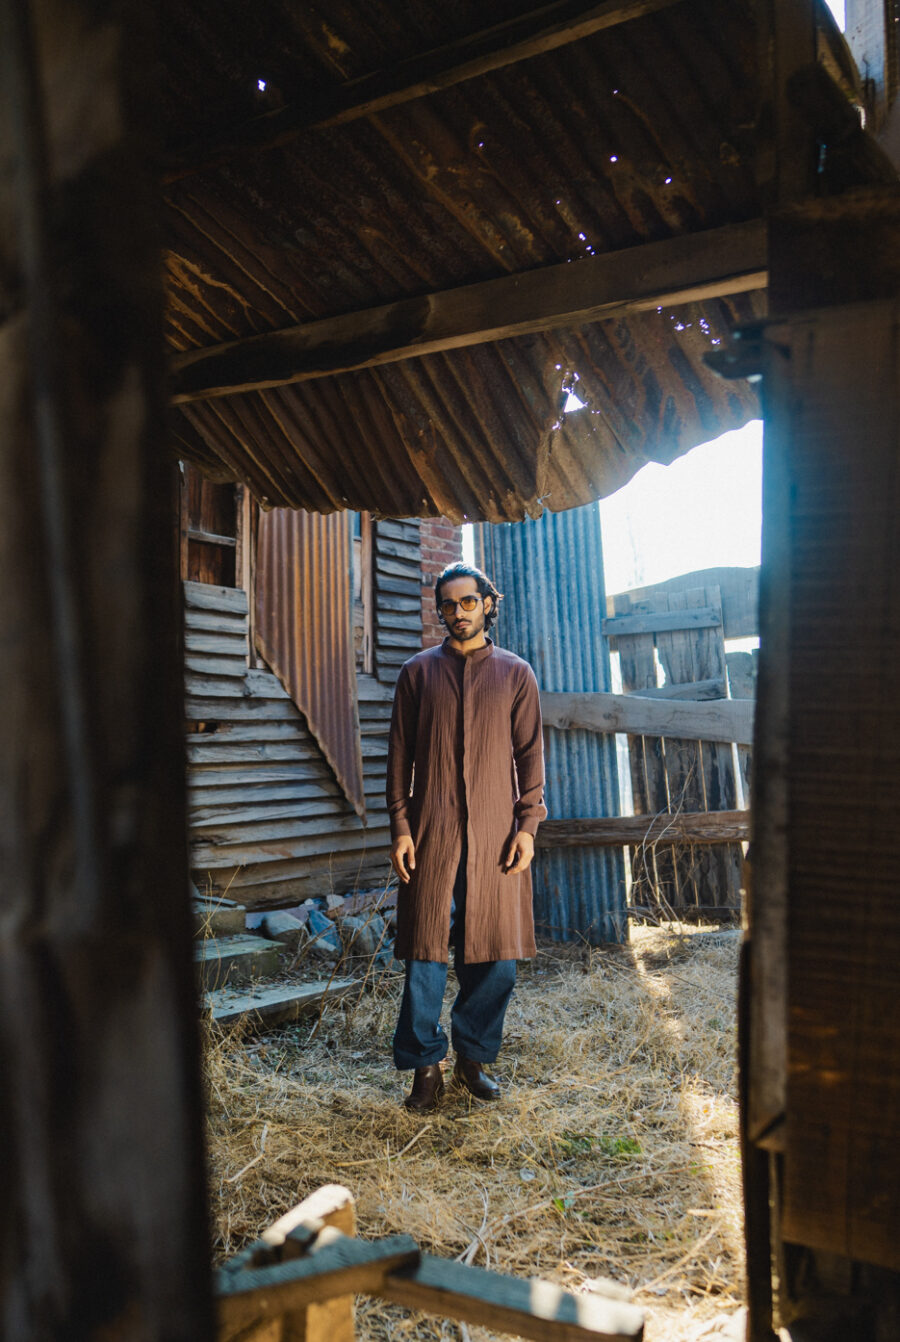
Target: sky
[[703, 511]]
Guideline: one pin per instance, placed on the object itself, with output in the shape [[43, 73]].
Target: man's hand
[[518, 854], [403, 857]]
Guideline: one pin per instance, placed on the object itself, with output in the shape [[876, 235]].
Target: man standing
[[465, 779]]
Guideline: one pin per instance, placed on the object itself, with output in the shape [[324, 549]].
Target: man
[[465, 780]]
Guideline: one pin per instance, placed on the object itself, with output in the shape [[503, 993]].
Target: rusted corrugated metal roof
[[305, 633], [639, 133]]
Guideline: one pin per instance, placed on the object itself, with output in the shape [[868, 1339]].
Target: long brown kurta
[[465, 763]]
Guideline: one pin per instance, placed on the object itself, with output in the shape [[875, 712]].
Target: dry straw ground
[[612, 1155]]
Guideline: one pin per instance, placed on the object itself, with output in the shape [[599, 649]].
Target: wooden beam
[[639, 715], [531, 34], [726, 260], [634, 830]]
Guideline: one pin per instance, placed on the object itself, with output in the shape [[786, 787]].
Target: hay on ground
[[613, 1153]]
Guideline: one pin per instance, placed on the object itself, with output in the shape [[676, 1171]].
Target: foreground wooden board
[[343, 1266], [534, 1309]]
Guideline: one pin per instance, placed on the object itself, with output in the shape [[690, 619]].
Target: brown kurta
[[465, 762]]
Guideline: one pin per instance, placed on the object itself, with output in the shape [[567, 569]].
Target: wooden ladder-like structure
[[297, 1284]]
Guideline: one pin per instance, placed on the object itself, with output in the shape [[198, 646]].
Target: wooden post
[[102, 1222]]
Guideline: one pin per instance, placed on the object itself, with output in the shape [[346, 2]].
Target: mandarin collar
[[477, 656]]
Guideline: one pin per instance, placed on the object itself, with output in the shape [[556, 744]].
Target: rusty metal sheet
[[304, 630], [640, 133]]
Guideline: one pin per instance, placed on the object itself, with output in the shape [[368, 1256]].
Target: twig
[[232, 1179]]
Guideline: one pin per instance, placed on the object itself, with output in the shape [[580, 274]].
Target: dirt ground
[[613, 1153]]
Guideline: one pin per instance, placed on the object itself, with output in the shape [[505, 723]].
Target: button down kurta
[[465, 768]]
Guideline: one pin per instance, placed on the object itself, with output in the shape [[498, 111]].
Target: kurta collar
[[478, 656]]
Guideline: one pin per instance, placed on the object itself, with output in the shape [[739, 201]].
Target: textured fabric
[[476, 1019], [465, 769]]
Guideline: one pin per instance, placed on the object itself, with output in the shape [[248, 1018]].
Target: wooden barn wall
[[397, 594], [268, 821]]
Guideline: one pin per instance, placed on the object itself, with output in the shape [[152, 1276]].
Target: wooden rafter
[[720, 261], [531, 34]]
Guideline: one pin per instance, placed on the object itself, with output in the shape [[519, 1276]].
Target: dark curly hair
[[482, 581]]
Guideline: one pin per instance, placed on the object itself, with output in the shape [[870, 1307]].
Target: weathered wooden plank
[[652, 870], [702, 827], [213, 774], [218, 645], [529, 34], [714, 688], [386, 567], [235, 824], [210, 803], [205, 750], [534, 1309], [216, 621], [689, 268], [246, 708], [738, 587], [203, 596], [322, 839], [370, 690], [230, 686], [263, 729], [662, 621], [711, 720], [202, 664]]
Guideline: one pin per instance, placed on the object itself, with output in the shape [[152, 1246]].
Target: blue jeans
[[476, 1020]]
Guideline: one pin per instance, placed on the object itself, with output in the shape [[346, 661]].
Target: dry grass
[[613, 1153]]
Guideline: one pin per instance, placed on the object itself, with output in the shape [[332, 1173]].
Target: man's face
[[463, 625]]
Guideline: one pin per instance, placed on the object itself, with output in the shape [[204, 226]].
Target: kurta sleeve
[[528, 754], [401, 754]]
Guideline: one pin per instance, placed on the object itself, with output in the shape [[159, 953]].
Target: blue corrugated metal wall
[[551, 575]]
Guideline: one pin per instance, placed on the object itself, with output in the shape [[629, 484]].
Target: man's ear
[[488, 604]]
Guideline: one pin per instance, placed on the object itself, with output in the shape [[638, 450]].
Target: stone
[[324, 939], [285, 928]]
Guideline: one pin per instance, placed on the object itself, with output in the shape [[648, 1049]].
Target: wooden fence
[[685, 836]]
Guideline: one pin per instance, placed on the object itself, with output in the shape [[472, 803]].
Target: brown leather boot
[[428, 1087], [472, 1075]]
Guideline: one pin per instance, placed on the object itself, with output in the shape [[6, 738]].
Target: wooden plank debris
[[276, 1004], [535, 1309], [689, 268], [723, 720], [341, 1267]]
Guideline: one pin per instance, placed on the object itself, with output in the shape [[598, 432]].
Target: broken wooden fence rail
[[299, 1279], [722, 720], [636, 830]]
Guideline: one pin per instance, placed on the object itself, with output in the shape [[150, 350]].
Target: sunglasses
[[467, 603]]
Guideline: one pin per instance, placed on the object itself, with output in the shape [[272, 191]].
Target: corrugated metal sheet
[[304, 630], [639, 133], [551, 575]]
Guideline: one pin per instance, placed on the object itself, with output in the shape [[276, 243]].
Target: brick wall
[[441, 545]]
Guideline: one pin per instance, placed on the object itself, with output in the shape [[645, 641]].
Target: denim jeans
[[476, 1019]]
